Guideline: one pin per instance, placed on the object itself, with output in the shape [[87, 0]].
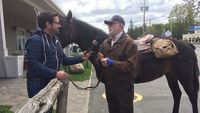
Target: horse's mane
[[82, 25], [86, 29]]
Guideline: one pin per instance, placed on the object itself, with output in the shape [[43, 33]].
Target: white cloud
[[96, 11]]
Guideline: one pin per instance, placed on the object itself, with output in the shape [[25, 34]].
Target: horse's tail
[[196, 84], [196, 71], [196, 77]]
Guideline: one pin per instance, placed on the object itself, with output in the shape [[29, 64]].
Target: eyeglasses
[[57, 23]]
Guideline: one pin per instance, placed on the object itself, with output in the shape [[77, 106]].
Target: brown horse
[[182, 67]]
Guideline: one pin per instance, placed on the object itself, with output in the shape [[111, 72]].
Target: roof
[[44, 5]]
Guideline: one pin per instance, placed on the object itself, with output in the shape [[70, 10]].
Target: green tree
[[138, 31], [193, 11], [178, 21], [195, 6], [134, 32], [183, 16], [131, 30], [156, 29]]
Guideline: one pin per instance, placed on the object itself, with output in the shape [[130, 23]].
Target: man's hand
[[100, 56], [102, 59], [104, 62], [85, 55], [61, 75]]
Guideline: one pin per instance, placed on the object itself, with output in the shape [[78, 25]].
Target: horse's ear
[[69, 15]]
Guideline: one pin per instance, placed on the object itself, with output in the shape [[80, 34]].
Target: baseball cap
[[115, 18]]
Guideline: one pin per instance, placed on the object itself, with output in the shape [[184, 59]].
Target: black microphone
[[94, 47]]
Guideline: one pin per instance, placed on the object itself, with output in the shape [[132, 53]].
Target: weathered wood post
[[45, 99], [62, 98]]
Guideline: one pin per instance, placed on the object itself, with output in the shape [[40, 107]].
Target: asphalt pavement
[[156, 97]]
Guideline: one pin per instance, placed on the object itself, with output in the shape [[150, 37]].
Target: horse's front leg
[[176, 92]]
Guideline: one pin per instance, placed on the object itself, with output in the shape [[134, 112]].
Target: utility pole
[[144, 8], [144, 17]]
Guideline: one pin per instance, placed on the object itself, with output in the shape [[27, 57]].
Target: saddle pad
[[164, 48]]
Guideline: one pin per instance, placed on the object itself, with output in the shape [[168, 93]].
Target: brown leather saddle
[[143, 44]]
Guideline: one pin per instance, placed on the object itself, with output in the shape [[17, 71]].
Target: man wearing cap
[[118, 57]]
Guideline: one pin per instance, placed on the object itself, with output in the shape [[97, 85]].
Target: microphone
[[94, 47]]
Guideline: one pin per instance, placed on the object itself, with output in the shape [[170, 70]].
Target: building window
[[21, 39], [193, 39]]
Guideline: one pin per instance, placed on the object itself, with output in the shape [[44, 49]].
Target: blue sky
[[96, 11]]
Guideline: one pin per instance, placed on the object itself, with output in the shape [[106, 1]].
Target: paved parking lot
[[157, 97]]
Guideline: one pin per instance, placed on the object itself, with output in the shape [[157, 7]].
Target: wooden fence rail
[[46, 98]]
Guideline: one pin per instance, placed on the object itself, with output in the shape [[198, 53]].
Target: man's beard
[[54, 31], [112, 32]]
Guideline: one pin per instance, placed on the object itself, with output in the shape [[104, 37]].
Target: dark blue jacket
[[45, 55]]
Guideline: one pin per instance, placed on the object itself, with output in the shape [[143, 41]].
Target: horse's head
[[86, 36], [65, 32], [76, 31]]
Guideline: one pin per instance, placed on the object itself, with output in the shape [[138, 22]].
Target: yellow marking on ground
[[104, 95], [137, 97]]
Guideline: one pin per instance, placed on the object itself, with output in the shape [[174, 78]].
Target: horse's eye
[[165, 47]]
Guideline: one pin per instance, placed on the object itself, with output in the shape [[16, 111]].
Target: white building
[[193, 37], [17, 20]]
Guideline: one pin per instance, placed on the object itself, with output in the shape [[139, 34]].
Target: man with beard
[[118, 57], [45, 54]]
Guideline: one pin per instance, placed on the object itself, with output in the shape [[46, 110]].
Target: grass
[[54, 111], [75, 77], [5, 109], [80, 76]]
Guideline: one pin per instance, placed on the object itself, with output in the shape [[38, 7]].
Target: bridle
[[91, 50]]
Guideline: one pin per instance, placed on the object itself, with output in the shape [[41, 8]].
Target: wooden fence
[[45, 99]]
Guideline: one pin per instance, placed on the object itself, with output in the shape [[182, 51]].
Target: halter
[[91, 50]]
